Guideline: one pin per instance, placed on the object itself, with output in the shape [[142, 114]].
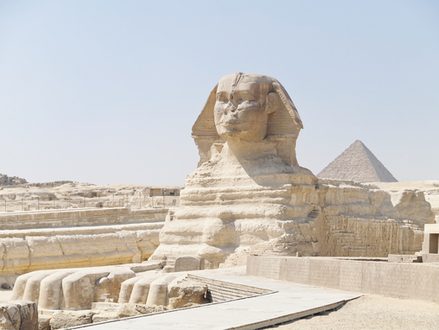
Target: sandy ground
[[374, 312]]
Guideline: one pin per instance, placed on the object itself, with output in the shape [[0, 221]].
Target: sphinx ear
[[271, 102], [204, 131], [284, 123], [205, 125], [287, 104]]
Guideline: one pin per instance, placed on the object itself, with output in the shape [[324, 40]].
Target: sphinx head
[[251, 108], [243, 104]]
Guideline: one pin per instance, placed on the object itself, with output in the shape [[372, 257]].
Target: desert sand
[[374, 312]]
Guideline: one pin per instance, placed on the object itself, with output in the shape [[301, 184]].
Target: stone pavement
[[290, 301]]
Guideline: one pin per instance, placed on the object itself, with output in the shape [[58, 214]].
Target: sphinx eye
[[221, 98]]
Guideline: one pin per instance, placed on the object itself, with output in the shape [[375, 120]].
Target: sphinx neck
[[244, 150]]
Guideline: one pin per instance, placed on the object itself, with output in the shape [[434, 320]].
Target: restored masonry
[[400, 280], [76, 238]]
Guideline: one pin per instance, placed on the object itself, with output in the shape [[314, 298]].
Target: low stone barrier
[[400, 280], [76, 238]]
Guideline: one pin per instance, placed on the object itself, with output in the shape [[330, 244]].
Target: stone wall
[[79, 217], [400, 280], [357, 221], [82, 238]]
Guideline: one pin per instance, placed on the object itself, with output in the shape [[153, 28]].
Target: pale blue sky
[[107, 91]]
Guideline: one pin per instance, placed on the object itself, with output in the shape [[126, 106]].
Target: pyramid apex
[[357, 141]]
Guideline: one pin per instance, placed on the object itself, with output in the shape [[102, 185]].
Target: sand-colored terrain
[[429, 188], [374, 312], [63, 195]]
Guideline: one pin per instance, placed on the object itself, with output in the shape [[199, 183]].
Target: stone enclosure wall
[[76, 238], [357, 221], [400, 280]]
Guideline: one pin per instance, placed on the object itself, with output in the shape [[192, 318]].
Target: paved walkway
[[290, 301]]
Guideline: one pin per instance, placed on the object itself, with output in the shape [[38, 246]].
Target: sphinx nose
[[230, 107]]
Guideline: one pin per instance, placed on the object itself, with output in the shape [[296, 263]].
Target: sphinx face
[[240, 108]]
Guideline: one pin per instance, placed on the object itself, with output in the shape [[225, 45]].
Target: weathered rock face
[[108, 292], [186, 294], [64, 319], [18, 315], [412, 205], [72, 289], [72, 238], [249, 195]]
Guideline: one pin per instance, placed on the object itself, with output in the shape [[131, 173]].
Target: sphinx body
[[248, 194]]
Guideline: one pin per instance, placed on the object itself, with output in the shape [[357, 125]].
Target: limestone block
[[186, 294], [51, 290], [82, 247], [141, 288], [158, 291], [126, 289], [44, 322], [128, 285], [32, 289], [21, 289], [147, 241], [404, 258], [412, 205], [83, 287], [43, 250], [15, 255], [18, 315], [79, 288], [75, 238], [19, 286], [66, 319], [104, 311], [108, 288], [75, 289], [186, 264]]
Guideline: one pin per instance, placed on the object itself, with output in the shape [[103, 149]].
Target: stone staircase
[[220, 291]]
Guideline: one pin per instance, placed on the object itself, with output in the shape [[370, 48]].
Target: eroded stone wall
[[62, 239]]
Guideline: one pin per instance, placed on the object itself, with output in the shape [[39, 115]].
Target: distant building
[[357, 163], [162, 191], [11, 180]]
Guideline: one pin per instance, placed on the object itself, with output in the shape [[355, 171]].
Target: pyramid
[[357, 163]]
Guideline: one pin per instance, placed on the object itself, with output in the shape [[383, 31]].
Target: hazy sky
[[107, 91]]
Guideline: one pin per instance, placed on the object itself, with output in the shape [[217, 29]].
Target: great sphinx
[[248, 194]]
